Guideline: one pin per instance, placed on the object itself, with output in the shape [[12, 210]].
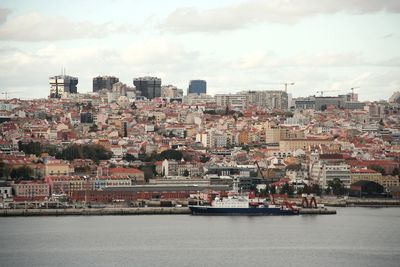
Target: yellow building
[[243, 137], [57, 168], [374, 176]]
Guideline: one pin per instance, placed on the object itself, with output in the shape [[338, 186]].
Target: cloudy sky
[[328, 45]]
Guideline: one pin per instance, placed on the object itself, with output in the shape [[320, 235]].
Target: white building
[[232, 101], [62, 85]]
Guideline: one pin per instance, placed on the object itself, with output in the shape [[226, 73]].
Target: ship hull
[[205, 210]]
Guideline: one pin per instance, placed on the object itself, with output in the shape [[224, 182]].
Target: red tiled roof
[[363, 171], [125, 170]]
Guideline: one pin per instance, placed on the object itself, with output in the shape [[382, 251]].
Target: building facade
[[104, 82], [149, 87], [232, 101], [62, 85], [197, 87]]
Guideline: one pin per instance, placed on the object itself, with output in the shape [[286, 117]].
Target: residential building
[[271, 99], [231, 101], [31, 190]]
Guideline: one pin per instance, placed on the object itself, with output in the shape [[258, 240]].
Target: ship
[[238, 204], [233, 205]]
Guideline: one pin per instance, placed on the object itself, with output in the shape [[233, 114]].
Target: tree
[[5, 170], [186, 173], [378, 169], [315, 189], [34, 148], [129, 157], [204, 158], [170, 154], [23, 172], [337, 187], [246, 148], [93, 151], [395, 171], [272, 190], [49, 149], [93, 128], [287, 189]]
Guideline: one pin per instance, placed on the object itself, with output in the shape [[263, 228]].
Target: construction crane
[[325, 91], [352, 92], [286, 84], [259, 169], [7, 93]]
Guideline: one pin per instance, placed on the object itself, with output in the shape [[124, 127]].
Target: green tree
[[337, 187], [272, 190], [287, 189], [92, 151], [23, 172], [378, 169], [31, 148], [186, 173], [170, 154], [129, 157], [204, 158], [315, 189], [5, 170], [93, 128]]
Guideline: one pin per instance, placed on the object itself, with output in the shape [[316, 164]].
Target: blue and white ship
[[235, 204]]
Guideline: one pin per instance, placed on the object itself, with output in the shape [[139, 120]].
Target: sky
[[330, 45]]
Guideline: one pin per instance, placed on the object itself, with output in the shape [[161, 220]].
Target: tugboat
[[236, 204]]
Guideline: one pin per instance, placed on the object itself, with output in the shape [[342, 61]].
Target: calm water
[[354, 237]]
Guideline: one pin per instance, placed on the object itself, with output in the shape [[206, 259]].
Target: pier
[[317, 211], [95, 211]]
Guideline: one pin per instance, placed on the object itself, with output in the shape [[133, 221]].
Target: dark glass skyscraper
[[149, 87], [104, 82], [197, 87], [62, 84]]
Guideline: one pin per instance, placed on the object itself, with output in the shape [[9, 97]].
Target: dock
[[317, 211], [95, 211]]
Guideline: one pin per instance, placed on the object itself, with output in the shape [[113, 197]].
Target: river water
[[353, 237]]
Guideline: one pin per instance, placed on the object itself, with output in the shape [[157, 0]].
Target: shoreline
[[93, 211], [156, 210]]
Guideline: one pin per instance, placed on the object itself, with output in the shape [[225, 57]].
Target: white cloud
[[240, 15], [3, 14], [169, 60], [155, 52], [33, 26], [157, 57], [268, 59]]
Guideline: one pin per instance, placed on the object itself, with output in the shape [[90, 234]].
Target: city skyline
[[233, 45]]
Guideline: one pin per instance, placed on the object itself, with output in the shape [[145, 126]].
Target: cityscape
[[282, 116], [149, 141]]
